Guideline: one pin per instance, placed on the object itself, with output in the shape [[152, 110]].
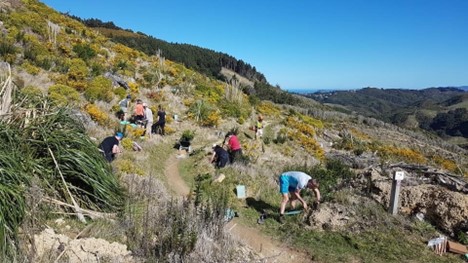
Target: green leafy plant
[[187, 135], [84, 51], [100, 88], [52, 148], [281, 137], [463, 237], [63, 95]]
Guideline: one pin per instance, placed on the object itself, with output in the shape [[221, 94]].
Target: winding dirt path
[[269, 250], [176, 183]]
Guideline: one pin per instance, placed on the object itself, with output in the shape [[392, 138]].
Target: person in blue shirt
[[291, 183]]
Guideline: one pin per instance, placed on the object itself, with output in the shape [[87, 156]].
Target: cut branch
[[90, 213]]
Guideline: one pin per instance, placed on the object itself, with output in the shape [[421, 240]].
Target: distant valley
[[443, 111]]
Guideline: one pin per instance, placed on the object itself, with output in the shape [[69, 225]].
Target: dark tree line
[[453, 122], [267, 92], [94, 22], [203, 60]]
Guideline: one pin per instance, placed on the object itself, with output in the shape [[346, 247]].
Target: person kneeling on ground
[[220, 156], [110, 146], [293, 182]]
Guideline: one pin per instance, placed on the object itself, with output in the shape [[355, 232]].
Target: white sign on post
[[396, 184], [399, 175]]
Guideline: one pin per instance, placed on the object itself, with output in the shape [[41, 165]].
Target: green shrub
[[281, 137], [7, 51], [44, 62], [38, 54], [187, 135], [359, 151], [100, 88], [97, 69], [31, 69], [120, 92], [84, 51], [463, 237], [77, 74], [30, 95], [63, 95], [203, 113], [7, 47], [268, 135]]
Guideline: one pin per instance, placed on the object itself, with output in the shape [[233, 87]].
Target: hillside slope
[[203, 60], [423, 109]]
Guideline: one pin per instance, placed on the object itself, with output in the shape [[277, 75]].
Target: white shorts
[[259, 132]]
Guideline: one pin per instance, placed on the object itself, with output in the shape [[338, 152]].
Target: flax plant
[[48, 145]]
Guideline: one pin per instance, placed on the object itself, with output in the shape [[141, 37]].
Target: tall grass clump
[[47, 146], [12, 181], [87, 174]]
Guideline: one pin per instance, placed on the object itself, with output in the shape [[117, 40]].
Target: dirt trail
[[269, 250], [176, 183]]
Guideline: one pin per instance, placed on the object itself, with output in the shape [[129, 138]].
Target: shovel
[[264, 215]]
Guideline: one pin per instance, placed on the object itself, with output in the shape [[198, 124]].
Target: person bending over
[[291, 184], [110, 146], [220, 156]]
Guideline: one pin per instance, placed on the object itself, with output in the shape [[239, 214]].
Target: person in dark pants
[[139, 112], [161, 121], [110, 146], [220, 156], [235, 151]]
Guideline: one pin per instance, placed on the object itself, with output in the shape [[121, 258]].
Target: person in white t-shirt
[[291, 183], [149, 119]]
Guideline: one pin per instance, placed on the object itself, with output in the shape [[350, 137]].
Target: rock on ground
[[50, 245], [446, 209]]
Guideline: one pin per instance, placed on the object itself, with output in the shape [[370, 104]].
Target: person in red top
[[234, 147]]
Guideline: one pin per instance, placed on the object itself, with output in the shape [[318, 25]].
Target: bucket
[[240, 190]]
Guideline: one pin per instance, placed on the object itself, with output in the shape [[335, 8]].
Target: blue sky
[[306, 44]]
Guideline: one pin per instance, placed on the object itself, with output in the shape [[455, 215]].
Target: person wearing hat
[[124, 104], [220, 156], [149, 120], [110, 146]]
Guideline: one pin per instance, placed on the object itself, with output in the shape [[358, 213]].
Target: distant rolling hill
[[440, 110]]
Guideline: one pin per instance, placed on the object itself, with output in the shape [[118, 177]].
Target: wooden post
[[395, 193]]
